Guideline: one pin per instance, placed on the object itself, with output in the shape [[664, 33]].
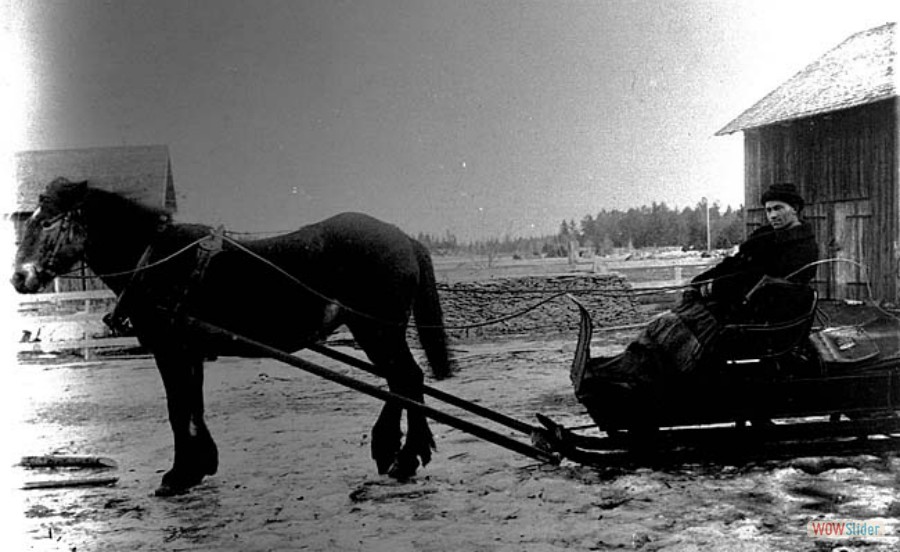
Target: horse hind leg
[[416, 450], [391, 354], [387, 437], [419, 439]]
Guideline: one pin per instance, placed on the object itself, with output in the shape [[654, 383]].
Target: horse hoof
[[210, 467], [175, 488], [178, 482], [425, 457], [383, 467], [403, 468], [166, 490]]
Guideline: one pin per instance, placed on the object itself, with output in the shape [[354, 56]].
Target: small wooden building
[[832, 130], [143, 173]]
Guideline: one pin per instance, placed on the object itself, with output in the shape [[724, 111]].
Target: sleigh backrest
[[776, 317]]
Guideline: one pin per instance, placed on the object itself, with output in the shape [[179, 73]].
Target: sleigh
[[822, 379]]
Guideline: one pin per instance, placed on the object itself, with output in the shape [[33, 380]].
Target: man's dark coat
[[767, 252]]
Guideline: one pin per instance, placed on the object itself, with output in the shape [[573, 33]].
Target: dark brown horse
[[286, 291]]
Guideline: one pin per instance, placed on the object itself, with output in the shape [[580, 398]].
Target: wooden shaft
[[442, 396], [377, 392]]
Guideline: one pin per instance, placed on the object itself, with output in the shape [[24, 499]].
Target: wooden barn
[[143, 173], [832, 129]]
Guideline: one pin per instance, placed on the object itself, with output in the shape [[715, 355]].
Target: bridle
[[68, 221]]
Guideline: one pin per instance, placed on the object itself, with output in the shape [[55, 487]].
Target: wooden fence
[[658, 286], [655, 273], [83, 310]]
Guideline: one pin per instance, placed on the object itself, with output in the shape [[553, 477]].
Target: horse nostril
[[20, 281]]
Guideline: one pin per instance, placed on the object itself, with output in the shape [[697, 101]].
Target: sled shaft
[[377, 392], [442, 396]]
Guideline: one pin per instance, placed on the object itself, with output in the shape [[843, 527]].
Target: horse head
[[53, 238]]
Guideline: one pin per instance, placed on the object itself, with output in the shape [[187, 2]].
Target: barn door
[[842, 230]]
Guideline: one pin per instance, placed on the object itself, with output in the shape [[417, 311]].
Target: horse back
[[350, 246], [287, 285]]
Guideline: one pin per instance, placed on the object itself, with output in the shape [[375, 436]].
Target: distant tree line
[[656, 225], [544, 246]]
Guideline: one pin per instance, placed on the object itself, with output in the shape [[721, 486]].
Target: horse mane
[[118, 210]]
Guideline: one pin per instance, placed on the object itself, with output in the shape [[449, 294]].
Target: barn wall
[[140, 173], [845, 164]]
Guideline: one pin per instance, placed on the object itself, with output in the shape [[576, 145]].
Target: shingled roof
[[142, 173], [859, 71]]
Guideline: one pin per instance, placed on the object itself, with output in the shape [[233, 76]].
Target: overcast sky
[[474, 117]]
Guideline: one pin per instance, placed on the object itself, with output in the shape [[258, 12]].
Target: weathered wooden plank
[[67, 461], [71, 482], [92, 343]]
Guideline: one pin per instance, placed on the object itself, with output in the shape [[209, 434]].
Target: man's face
[[780, 214]]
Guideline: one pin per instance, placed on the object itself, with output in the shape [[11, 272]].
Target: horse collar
[[117, 319]]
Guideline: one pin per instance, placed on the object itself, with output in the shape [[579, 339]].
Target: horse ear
[[66, 190], [81, 189], [76, 193]]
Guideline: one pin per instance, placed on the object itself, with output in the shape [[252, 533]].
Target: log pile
[[466, 304]]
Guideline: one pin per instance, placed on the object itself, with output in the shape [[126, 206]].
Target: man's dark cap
[[785, 192]]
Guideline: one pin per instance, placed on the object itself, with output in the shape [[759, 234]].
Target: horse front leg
[[196, 454]]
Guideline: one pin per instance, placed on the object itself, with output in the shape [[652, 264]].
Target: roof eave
[[737, 126]]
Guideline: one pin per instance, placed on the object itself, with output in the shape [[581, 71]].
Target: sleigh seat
[[775, 319]]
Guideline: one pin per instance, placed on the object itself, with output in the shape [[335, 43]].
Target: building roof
[[142, 173], [859, 71]]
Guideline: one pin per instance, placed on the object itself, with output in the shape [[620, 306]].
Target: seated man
[[674, 344]]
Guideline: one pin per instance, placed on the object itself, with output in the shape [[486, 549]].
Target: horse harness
[[206, 249]]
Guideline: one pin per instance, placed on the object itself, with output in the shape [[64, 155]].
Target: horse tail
[[429, 316]]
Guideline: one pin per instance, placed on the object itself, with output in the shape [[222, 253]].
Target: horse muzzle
[[28, 278]]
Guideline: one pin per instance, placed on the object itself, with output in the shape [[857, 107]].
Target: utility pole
[[708, 233]]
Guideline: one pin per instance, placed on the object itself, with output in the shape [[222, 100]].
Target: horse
[[286, 291]]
